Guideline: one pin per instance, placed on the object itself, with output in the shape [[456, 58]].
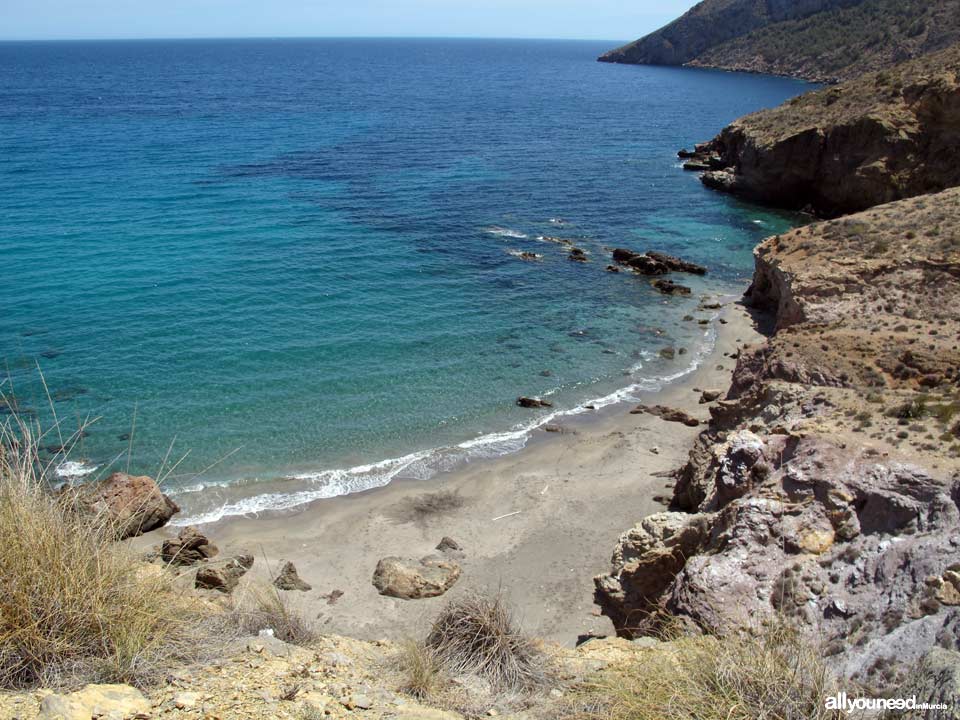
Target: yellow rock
[[816, 542], [105, 702]]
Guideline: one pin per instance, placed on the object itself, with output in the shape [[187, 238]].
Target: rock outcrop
[[826, 487], [127, 505], [108, 702], [415, 579], [224, 575], [289, 579], [882, 137]]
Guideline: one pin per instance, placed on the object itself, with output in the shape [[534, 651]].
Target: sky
[[112, 19]]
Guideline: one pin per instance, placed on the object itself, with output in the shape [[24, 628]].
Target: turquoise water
[[292, 258]]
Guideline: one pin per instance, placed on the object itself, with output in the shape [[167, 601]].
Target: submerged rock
[[669, 287]]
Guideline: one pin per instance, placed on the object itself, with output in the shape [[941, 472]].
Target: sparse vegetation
[[75, 606], [265, 608], [776, 674], [422, 670]]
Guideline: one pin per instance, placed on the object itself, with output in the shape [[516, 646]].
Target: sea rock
[[676, 264], [105, 702], [188, 548], [696, 165], [224, 575], [577, 255], [529, 402], [669, 287], [668, 414], [415, 579], [289, 579], [127, 505]]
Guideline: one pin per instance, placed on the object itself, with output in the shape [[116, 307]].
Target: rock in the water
[[669, 287], [128, 505], [104, 702], [677, 264], [529, 402], [578, 255], [668, 414], [188, 548], [289, 579], [415, 579], [223, 576]]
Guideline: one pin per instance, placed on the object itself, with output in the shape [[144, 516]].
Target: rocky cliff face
[[827, 486], [821, 40], [883, 137]]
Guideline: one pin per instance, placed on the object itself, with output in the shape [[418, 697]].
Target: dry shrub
[[422, 508], [75, 606], [259, 608], [774, 674], [422, 671], [479, 636]]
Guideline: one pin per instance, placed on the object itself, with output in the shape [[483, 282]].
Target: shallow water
[[278, 258]]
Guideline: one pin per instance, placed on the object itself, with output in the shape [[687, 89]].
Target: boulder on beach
[[129, 505], [223, 576], [189, 548], [667, 413], [409, 579], [289, 579]]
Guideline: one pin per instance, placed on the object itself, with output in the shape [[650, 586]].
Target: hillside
[[821, 40], [881, 137]]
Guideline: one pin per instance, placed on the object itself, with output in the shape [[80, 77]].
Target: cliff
[[827, 486], [821, 40], [883, 137]]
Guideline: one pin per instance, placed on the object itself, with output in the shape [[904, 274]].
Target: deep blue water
[[285, 257]]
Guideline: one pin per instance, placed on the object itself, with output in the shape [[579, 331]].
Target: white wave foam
[[505, 232], [425, 464], [73, 469]]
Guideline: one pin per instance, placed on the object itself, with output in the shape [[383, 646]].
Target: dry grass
[[259, 608], [423, 674], [775, 674], [422, 508], [74, 605], [479, 636]]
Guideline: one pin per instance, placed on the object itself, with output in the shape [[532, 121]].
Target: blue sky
[[596, 19]]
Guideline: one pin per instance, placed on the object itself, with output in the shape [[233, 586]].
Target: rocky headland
[[882, 137], [818, 40]]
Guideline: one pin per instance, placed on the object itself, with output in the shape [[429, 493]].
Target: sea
[[273, 271]]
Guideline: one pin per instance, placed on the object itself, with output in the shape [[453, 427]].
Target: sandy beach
[[538, 524]]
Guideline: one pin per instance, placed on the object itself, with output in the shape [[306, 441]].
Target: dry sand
[[562, 502]]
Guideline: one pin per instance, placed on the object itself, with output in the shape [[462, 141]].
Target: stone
[[669, 287], [104, 702], [409, 579], [188, 548], [223, 576], [447, 544], [668, 414], [186, 700], [289, 579], [529, 402], [709, 396], [129, 505]]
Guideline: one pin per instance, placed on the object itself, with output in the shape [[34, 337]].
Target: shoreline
[[549, 511]]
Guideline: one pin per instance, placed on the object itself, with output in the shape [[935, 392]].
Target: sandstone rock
[[224, 575], [289, 579], [128, 505], [709, 396], [188, 548], [529, 402], [106, 702], [415, 579]]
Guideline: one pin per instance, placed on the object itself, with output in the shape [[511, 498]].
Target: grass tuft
[[479, 636], [423, 673], [265, 608], [75, 606], [775, 674]]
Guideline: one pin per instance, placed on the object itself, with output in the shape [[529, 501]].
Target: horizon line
[[300, 37]]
